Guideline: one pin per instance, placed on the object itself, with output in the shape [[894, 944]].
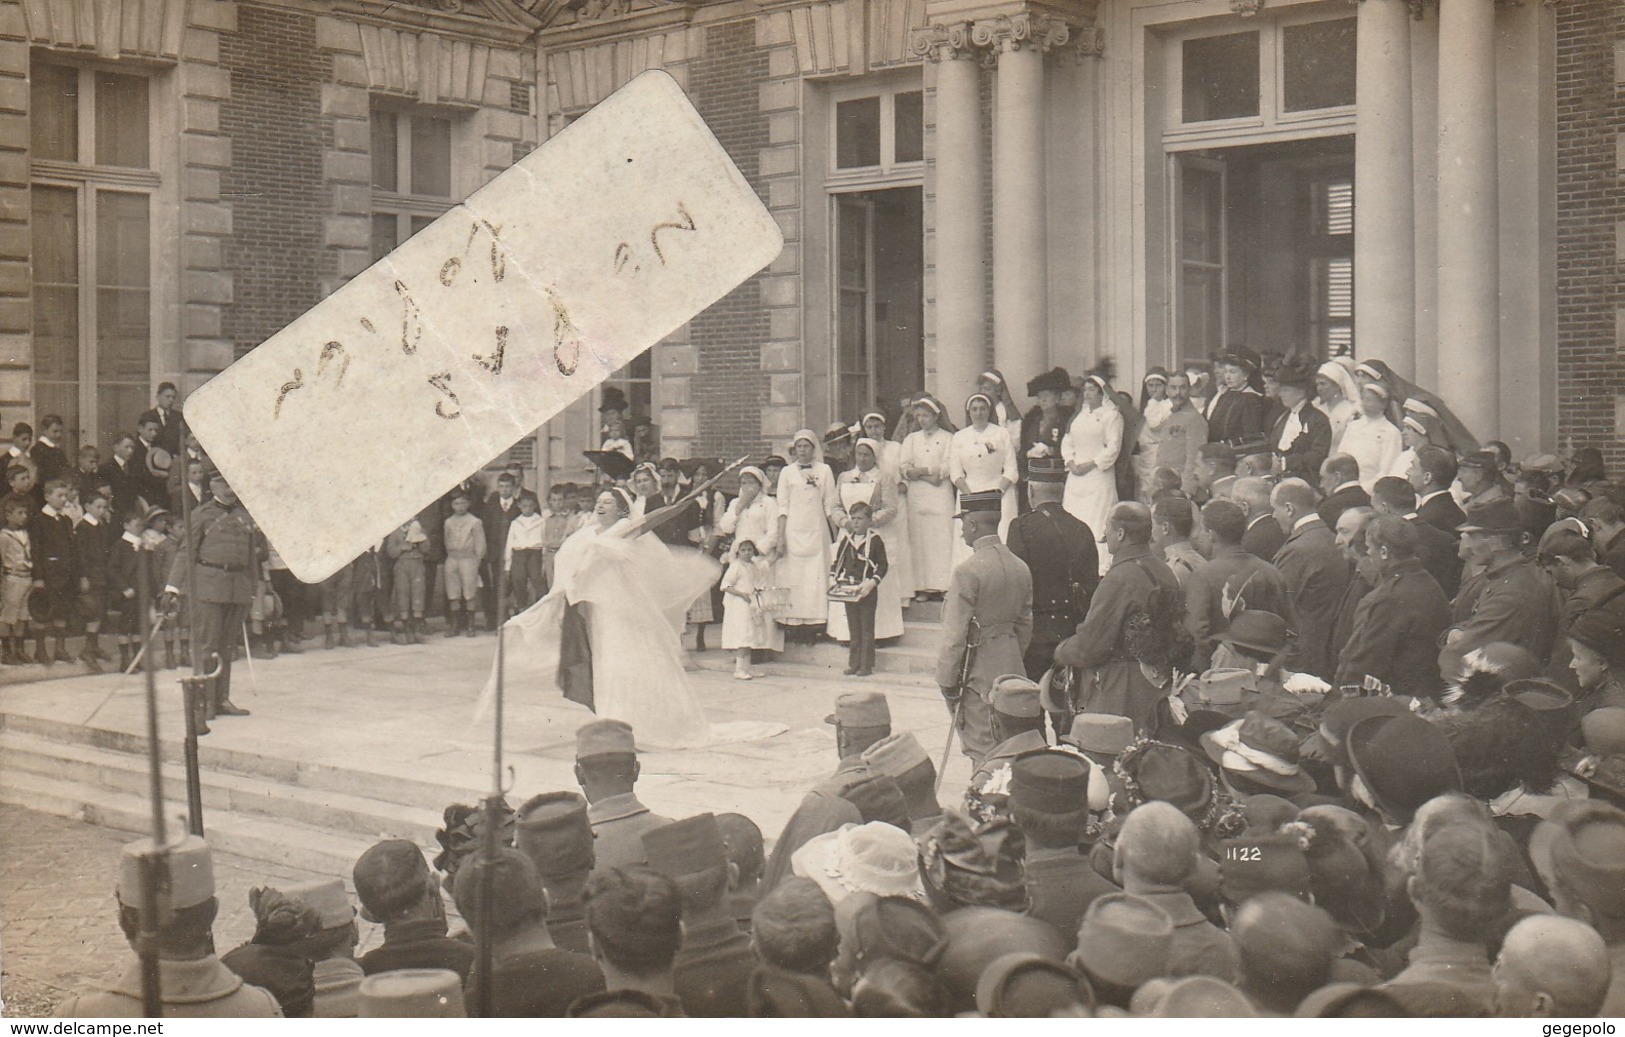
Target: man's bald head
[[1156, 848], [1551, 967], [1286, 948], [1133, 520], [1253, 495], [1295, 494], [1351, 530]]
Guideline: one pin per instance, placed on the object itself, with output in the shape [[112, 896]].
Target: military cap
[[1252, 865], [411, 994], [553, 831], [1104, 733], [390, 876], [686, 847], [604, 737], [1050, 781], [1124, 940], [879, 798], [327, 898], [1203, 997], [895, 755], [1546, 463], [978, 936], [191, 872], [860, 709], [1015, 696], [974, 502], [1029, 986], [1483, 460]]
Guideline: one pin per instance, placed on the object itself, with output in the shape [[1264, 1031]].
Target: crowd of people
[[1283, 695]]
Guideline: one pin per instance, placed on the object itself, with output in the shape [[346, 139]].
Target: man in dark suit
[[1060, 551], [50, 460], [121, 474], [1606, 520], [168, 417], [1112, 679], [500, 509], [1340, 482], [1237, 414], [1316, 572], [1506, 597], [1301, 436], [1232, 581], [1264, 535], [1430, 476], [1435, 549], [1397, 625]]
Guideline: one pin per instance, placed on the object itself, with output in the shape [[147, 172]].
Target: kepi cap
[[552, 829], [602, 737], [327, 898], [686, 847], [860, 709], [896, 754], [1124, 940], [411, 994], [191, 872], [1015, 696], [1050, 781]]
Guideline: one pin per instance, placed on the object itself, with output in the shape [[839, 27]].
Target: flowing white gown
[[635, 594]]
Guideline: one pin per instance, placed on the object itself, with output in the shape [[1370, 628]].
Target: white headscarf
[[1336, 373], [817, 445]]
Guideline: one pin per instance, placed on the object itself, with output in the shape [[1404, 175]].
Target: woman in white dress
[[991, 383], [868, 482], [982, 462], [1335, 393], [900, 557], [802, 548], [924, 468], [608, 633], [1371, 439], [754, 516], [1155, 408], [1090, 449]]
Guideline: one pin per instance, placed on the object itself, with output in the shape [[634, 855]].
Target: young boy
[[558, 522], [22, 438], [407, 547], [92, 542], [17, 565], [337, 591], [369, 584], [56, 566], [582, 496], [124, 601], [155, 537], [526, 550], [860, 563], [465, 550]]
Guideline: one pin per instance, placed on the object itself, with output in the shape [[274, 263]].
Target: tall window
[[92, 186], [879, 133], [411, 174]]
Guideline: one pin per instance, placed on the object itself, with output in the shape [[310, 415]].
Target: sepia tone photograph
[[569, 508]]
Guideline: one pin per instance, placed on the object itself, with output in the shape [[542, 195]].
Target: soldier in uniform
[[221, 541], [607, 770], [1232, 581], [1060, 552], [1509, 599], [193, 983], [861, 719], [989, 614], [1111, 679], [1018, 725]]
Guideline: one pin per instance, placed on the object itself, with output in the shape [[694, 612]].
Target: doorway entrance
[[1264, 248], [879, 318]]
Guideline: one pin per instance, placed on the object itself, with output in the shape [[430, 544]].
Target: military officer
[[861, 719], [989, 614], [1509, 599], [1060, 552], [223, 543], [607, 770]]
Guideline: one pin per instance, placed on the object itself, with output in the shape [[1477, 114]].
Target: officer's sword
[[973, 641]]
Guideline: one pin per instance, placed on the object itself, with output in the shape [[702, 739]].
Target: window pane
[[121, 120], [1318, 71], [54, 114], [431, 156], [56, 290], [1201, 316], [1220, 77], [1201, 215], [909, 126], [384, 150], [420, 222], [383, 235], [123, 274], [857, 133]]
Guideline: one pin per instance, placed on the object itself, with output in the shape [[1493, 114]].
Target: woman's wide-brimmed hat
[[876, 858]]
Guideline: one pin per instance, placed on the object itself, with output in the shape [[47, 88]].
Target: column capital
[[1009, 32], [1418, 7], [1247, 8], [949, 42]]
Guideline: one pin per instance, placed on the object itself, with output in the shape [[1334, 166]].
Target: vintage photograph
[[748, 509]]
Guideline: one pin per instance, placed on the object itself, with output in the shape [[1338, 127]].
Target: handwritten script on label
[[484, 325]]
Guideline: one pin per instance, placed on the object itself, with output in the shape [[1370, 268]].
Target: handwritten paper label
[[482, 326]]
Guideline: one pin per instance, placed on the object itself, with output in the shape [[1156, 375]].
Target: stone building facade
[[960, 183]]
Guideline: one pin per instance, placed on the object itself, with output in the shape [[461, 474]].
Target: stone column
[[1020, 239], [961, 240], [1469, 214], [1384, 211]]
